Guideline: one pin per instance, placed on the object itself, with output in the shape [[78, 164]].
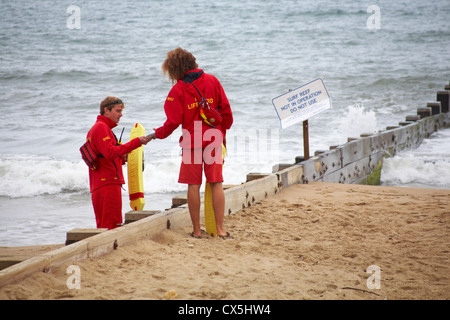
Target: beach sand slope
[[314, 241]]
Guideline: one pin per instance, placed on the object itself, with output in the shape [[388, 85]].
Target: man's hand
[[145, 139]]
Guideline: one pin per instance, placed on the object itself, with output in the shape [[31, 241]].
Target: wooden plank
[[402, 138], [290, 176], [179, 201], [321, 165], [23, 269], [308, 170], [246, 194], [354, 150], [281, 166], [256, 175], [429, 126], [356, 171], [74, 252], [97, 245], [8, 261], [328, 162], [133, 216], [78, 234], [228, 186]]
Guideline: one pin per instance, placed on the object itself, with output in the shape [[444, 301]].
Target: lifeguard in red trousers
[[106, 181], [182, 108]]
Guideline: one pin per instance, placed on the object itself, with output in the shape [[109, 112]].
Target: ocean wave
[[47, 75], [28, 176], [77, 73], [357, 120], [426, 166], [400, 81], [71, 74], [325, 12], [15, 75], [407, 170], [337, 12], [25, 176]]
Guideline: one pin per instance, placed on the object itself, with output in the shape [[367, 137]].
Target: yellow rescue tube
[[135, 170], [210, 219]]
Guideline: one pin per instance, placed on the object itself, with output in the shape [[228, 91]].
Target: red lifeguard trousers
[[107, 202]]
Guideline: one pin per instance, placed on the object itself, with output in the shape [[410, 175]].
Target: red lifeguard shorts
[[107, 202], [195, 161]]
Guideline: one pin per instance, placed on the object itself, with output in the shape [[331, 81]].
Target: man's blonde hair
[[108, 102]]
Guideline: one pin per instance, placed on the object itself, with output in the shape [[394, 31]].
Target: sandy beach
[[313, 241]]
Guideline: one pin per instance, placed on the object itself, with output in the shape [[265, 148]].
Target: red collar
[[111, 124]]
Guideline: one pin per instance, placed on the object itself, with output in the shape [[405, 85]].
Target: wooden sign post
[[305, 140]]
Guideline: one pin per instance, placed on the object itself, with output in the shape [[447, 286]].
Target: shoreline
[[308, 241]]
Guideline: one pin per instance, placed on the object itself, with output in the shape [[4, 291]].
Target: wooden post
[[443, 98], [305, 140], [280, 167], [318, 152], [423, 112], [179, 201], [435, 107], [75, 235], [299, 159], [133, 216], [412, 118]]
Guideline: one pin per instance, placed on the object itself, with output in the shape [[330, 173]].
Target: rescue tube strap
[[136, 195]]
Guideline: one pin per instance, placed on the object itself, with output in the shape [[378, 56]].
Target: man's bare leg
[[193, 199]]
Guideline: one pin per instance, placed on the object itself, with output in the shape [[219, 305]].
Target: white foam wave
[[28, 176], [407, 170], [427, 166], [356, 120]]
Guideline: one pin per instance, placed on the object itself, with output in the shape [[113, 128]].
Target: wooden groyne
[[360, 159], [357, 161]]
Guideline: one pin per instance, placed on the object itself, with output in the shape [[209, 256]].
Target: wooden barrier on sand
[[360, 159]]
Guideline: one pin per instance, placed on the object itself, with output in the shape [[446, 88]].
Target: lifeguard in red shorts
[[201, 143]]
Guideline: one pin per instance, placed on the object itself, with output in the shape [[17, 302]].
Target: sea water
[[58, 59], [428, 166]]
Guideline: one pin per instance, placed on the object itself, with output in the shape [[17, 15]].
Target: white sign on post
[[302, 103]]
